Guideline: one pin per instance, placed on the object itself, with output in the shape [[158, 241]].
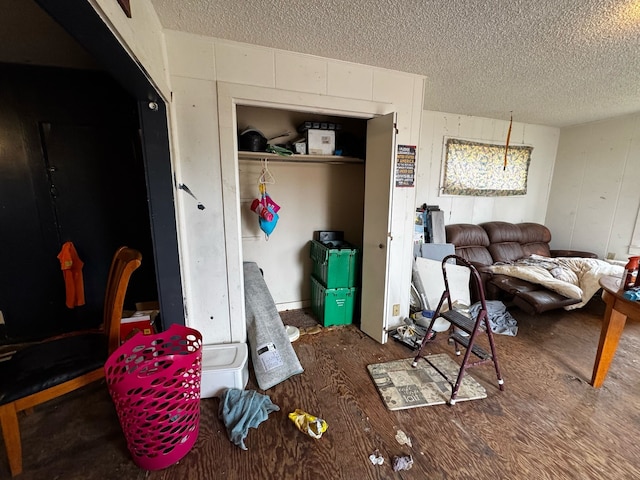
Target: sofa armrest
[[572, 253]]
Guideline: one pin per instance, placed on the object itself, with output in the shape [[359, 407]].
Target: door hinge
[[395, 127]]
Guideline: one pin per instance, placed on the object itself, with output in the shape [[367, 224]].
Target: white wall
[[595, 194], [312, 197], [187, 68], [531, 207], [141, 35], [196, 64]]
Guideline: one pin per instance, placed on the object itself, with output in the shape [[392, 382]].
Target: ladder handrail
[[474, 271], [469, 342]]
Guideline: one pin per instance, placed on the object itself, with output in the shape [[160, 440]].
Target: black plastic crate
[[328, 235]]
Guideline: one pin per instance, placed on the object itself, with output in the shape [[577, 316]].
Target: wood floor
[[549, 423]]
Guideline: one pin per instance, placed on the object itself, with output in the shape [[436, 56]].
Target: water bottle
[[629, 280]]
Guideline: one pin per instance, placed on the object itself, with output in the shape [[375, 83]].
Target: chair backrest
[[125, 261]]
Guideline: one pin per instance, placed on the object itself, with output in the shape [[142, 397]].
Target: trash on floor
[[293, 332], [241, 410], [402, 438], [312, 330], [376, 458], [307, 423], [411, 334], [404, 462]]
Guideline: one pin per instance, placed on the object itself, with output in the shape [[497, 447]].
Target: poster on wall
[[406, 166]]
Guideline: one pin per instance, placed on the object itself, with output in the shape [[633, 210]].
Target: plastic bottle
[[630, 273]]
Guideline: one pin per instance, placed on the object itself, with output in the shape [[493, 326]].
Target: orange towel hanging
[[71, 266]]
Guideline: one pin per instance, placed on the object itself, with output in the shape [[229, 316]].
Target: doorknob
[[381, 246]]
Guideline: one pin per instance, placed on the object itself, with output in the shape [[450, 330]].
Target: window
[[479, 169]]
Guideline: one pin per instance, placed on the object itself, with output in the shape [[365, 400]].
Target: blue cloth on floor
[[241, 410], [500, 320]]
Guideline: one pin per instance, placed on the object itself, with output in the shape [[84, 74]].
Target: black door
[[99, 201], [70, 170]]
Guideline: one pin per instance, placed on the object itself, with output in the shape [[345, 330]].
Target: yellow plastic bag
[[307, 423]]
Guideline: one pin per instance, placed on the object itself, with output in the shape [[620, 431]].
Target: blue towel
[[499, 318], [241, 410]]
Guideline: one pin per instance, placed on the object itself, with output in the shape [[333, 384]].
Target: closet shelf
[[272, 157]]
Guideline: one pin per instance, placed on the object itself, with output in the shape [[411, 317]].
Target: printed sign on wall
[[406, 166]]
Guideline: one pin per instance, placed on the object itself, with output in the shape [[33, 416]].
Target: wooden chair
[[49, 369]]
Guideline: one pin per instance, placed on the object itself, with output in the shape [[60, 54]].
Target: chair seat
[[50, 369], [44, 365]]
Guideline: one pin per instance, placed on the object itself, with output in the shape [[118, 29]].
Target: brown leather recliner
[[494, 242]]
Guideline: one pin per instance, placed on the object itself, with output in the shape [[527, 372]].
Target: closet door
[[378, 200]]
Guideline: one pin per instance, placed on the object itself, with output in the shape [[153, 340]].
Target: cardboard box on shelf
[[139, 321]]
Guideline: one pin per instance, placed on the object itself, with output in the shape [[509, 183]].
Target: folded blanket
[[573, 277], [241, 410]]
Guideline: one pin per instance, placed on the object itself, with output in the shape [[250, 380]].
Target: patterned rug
[[401, 386]]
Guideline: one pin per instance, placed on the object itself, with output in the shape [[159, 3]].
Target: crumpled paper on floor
[[376, 458], [403, 439], [404, 462]]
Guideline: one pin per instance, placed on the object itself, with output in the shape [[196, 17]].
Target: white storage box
[[223, 366], [321, 142]]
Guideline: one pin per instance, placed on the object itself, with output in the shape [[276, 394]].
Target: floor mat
[[401, 386]]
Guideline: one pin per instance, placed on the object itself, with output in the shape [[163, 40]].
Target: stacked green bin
[[334, 282]]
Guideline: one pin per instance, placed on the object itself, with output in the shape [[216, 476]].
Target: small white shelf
[[273, 157]]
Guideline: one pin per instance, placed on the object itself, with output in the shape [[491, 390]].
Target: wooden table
[[615, 316]]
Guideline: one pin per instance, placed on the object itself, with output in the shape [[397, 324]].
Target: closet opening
[[356, 197], [313, 192]]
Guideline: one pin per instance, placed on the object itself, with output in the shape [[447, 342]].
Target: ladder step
[[459, 320], [476, 350]]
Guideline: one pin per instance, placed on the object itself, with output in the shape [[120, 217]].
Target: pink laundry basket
[[154, 381]]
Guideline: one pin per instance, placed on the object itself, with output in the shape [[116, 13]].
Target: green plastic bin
[[332, 306], [335, 267]]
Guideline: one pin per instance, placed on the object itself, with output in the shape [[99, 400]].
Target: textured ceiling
[[550, 62]]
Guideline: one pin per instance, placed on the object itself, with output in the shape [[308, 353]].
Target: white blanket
[[573, 277]]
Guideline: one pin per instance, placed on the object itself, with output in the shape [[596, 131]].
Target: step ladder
[[465, 325]]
